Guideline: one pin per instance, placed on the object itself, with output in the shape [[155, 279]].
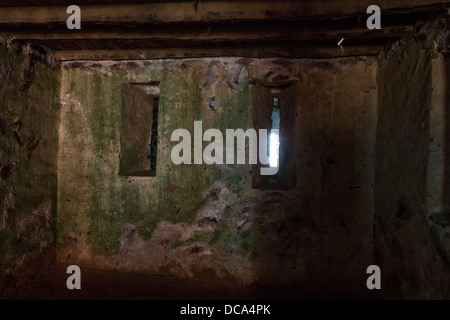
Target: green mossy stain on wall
[[115, 200], [176, 193], [34, 180], [225, 236]]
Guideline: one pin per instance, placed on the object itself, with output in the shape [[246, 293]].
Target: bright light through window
[[274, 149], [274, 138]]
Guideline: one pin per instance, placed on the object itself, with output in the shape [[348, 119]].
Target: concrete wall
[[409, 155], [29, 121], [195, 220], [335, 145], [366, 180]]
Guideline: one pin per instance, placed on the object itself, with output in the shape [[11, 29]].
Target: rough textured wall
[[191, 220], [407, 252], [437, 137], [29, 120], [335, 143]]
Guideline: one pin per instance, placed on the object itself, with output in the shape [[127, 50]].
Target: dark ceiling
[[26, 3], [112, 29]]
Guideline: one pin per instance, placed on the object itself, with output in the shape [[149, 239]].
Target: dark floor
[[116, 285]]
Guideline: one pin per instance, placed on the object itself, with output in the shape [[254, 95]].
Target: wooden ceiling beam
[[259, 28], [204, 11], [264, 33], [255, 52]]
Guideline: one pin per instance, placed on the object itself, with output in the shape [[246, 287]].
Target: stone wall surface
[[408, 174], [29, 124], [194, 219]]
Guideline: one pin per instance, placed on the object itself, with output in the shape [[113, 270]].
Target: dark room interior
[[224, 149]]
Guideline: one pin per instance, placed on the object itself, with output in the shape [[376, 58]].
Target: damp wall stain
[[196, 218], [29, 122]]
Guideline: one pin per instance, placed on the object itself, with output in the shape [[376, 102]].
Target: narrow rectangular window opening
[[274, 111], [153, 140], [274, 140], [139, 134]]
